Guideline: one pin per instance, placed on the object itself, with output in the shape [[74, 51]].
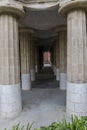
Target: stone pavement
[[40, 105]]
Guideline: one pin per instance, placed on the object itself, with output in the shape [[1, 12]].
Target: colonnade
[[69, 58]]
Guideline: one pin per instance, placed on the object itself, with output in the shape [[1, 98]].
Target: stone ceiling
[[42, 21], [37, 1]]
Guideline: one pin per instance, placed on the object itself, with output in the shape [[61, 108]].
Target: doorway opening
[[47, 59]]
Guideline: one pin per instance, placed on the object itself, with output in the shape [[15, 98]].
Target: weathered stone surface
[[36, 59], [25, 60], [63, 51], [76, 46], [11, 7], [54, 59], [63, 59], [57, 59], [9, 50], [37, 1], [65, 6], [10, 94], [77, 63], [32, 61]]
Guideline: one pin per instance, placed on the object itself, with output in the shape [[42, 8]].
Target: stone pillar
[[10, 93], [63, 59], [39, 59], [25, 60], [36, 59], [32, 61], [76, 57], [54, 60], [77, 63], [57, 59]]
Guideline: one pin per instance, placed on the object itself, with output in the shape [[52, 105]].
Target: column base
[[26, 82], [57, 74], [32, 75], [76, 99], [10, 100], [63, 80]]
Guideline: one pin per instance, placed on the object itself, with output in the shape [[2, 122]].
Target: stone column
[[36, 59], [39, 59], [57, 59], [54, 60], [32, 61], [77, 63], [25, 60], [10, 93], [63, 59], [76, 57]]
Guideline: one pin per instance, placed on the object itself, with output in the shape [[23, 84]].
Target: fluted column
[[32, 61], [63, 59], [77, 63], [52, 57], [54, 60], [76, 101], [57, 59], [25, 60], [36, 59], [10, 94]]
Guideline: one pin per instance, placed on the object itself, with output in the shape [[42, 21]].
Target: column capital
[[11, 8], [65, 6]]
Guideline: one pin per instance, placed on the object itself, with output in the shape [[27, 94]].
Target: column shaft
[[77, 63], [10, 95], [36, 59], [57, 60], [25, 60], [63, 59], [54, 60], [32, 61]]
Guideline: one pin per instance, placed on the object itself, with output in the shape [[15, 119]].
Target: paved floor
[[43, 105]]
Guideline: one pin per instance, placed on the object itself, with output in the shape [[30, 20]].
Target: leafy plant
[[75, 124]]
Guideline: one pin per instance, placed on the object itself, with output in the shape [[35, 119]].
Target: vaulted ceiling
[[43, 19]]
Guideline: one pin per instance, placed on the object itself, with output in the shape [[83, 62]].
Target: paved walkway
[[42, 105]]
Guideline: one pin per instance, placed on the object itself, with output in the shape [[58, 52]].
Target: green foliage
[[75, 124]]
